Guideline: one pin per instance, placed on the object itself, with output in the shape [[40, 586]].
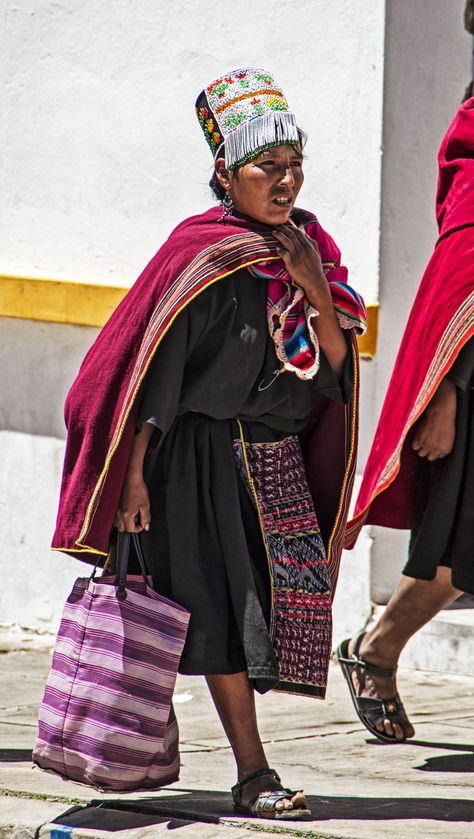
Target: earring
[[227, 205]]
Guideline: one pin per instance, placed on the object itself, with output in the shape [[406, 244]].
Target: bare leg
[[412, 605], [234, 699], [235, 703]]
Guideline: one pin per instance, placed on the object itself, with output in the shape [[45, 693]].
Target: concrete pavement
[[357, 787]]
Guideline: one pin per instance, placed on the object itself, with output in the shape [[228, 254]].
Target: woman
[[184, 426], [420, 471]]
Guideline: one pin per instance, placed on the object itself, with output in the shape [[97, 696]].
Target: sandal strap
[[265, 802], [356, 661], [266, 772], [374, 710]]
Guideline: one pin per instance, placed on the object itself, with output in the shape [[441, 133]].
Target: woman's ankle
[[378, 649], [247, 768]]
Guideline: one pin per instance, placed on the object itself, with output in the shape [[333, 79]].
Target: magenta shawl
[[440, 324], [101, 406]]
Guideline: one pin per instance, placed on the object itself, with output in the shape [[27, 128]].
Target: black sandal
[[370, 710], [263, 805]]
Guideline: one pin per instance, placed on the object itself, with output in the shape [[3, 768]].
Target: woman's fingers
[[119, 522], [134, 513], [130, 522], [286, 240], [145, 517], [430, 445], [302, 261], [299, 237], [423, 449]]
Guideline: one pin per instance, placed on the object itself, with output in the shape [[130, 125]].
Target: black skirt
[[205, 550]]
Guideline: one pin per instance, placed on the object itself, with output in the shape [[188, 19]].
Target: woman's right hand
[[436, 430], [133, 514]]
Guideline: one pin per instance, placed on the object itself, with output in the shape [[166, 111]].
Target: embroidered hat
[[247, 111]]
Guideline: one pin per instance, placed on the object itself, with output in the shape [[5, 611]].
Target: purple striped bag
[[107, 718]]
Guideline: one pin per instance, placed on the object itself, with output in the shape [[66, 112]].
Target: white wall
[[35, 581], [38, 362], [104, 152]]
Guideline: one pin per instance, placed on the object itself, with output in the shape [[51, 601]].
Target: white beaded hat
[[247, 112]]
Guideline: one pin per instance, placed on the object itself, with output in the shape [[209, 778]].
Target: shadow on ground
[[447, 763], [190, 806], [15, 756], [441, 763], [114, 819]]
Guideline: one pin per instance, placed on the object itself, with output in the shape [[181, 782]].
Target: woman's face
[[266, 187]]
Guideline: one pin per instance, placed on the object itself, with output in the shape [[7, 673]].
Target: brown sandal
[[370, 710], [263, 805]]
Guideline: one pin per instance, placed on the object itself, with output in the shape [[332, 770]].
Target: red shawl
[[440, 324], [101, 406]]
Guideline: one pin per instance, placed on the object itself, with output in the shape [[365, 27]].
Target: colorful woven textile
[[290, 316], [105, 718], [441, 322], [301, 623]]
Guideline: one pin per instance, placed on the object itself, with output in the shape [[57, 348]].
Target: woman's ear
[[222, 173]]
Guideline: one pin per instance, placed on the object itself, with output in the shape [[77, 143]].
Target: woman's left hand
[[303, 263]]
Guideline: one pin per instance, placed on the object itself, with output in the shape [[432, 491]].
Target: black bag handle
[[123, 554]]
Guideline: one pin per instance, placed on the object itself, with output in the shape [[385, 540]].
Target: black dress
[[216, 365], [443, 514]]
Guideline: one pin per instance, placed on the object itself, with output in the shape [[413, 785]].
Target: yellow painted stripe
[[368, 343], [58, 301], [91, 304]]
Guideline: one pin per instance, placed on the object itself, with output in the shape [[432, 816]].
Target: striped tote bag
[[107, 718]]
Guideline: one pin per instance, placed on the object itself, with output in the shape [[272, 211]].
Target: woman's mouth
[[283, 201]]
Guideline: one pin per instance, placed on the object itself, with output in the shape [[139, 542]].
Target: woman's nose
[[287, 176]]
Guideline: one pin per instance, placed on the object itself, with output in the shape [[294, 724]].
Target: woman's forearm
[[133, 514], [139, 448], [330, 335]]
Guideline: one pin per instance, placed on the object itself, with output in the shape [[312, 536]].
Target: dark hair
[[219, 191]]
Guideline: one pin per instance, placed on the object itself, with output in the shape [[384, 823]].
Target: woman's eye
[[297, 163]]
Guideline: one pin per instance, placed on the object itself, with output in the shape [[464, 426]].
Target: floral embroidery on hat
[[265, 77], [235, 120]]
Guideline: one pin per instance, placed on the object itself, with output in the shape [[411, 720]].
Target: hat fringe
[[254, 135]]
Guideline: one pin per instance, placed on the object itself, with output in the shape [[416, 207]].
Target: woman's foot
[[373, 688], [262, 795], [378, 685]]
